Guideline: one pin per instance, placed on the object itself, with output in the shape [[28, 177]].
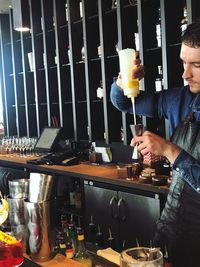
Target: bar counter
[[57, 261], [105, 173]]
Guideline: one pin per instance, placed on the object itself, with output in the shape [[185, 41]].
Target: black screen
[[48, 139]]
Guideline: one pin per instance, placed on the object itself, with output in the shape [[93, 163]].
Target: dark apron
[[179, 226]]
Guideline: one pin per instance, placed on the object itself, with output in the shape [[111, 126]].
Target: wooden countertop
[[101, 173], [59, 261]]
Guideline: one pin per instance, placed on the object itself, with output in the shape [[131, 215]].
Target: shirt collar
[[195, 104]]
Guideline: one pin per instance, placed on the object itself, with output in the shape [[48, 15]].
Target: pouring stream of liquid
[[133, 106]]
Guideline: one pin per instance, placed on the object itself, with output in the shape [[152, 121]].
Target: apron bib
[[179, 225]]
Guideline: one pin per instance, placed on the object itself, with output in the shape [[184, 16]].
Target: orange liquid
[[11, 255]]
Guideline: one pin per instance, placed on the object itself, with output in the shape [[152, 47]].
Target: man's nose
[[187, 72]]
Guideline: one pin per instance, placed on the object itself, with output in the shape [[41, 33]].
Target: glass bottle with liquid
[[158, 30], [159, 79], [82, 255], [184, 20]]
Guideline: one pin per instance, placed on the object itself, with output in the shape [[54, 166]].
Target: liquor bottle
[[69, 246], [100, 90], [73, 237], [184, 20], [158, 30], [159, 79], [82, 255], [61, 243]]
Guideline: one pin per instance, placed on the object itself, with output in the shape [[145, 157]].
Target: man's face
[[191, 64]]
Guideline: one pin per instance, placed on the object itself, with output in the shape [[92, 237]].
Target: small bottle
[[184, 20], [81, 9], [83, 53], [100, 90], [66, 12], [158, 30], [137, 45], [82, 255], [61, 244], [69, 246], [73, 237], [159, 79]]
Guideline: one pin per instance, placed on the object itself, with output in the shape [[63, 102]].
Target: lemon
[[4, 207]]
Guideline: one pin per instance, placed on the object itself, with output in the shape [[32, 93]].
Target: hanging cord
[[190, 118]]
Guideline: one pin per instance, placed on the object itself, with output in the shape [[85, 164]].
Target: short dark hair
[[191, 36]]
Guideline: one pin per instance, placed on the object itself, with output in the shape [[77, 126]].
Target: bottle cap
[[134, 91]]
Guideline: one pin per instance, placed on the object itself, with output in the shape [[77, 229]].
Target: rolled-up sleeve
[[189, 169], [146, 104]]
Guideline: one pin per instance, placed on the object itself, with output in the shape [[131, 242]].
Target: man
[[178, 228]]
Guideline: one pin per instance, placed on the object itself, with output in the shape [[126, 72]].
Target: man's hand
[[150, 142], [138, 73]]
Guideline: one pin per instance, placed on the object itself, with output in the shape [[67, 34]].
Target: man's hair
[[191, 36]]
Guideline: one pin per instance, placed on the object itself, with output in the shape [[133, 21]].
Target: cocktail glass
[[141, 257], [11, 253]]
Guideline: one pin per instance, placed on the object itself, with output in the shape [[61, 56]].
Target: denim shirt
[[174, 105]]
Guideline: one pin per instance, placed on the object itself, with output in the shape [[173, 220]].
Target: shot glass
[[137, 129]]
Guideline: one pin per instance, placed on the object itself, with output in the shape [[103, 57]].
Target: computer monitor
[[48, 139]]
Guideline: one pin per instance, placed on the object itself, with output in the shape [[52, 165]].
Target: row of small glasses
[[23, 146]]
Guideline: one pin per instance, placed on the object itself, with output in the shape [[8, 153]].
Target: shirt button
[[198, 189], [177, 169]]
